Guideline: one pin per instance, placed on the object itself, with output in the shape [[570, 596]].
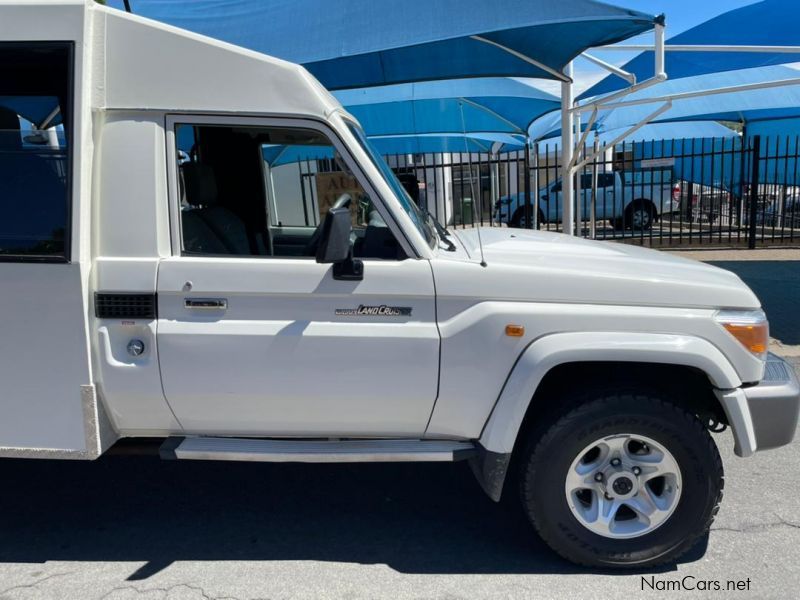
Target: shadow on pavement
[[777, 285], [422, 518]]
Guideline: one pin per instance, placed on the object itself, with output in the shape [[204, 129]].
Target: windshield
[[411, 209]]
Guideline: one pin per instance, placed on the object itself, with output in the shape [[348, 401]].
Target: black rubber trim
[[490, 469]]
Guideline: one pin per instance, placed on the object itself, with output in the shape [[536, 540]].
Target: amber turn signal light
[[753, 337], [751, 329], [515, 330]]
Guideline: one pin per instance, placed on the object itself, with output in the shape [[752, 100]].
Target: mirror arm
[[350, 269]]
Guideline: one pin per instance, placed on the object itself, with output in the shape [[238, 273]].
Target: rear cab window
[[35, 109]]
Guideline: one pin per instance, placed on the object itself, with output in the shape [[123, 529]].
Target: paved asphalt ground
[[125, 528]]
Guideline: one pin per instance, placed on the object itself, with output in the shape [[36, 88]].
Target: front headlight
[[749, 327]]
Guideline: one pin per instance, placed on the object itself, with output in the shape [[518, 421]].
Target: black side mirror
[[335, 247]]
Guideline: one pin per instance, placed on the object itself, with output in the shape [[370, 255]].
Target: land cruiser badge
[[374, 311]]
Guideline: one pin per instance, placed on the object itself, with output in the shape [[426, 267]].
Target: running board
[[314, 451]]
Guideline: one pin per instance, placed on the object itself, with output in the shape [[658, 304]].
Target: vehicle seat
[[378, 240], [198, 237], [201, 193]]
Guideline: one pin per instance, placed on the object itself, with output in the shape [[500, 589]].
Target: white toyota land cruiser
[[197, 243]]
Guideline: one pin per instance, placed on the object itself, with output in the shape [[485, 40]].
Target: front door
[[254, 336]]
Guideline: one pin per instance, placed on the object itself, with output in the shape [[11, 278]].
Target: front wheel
[[624, 480]]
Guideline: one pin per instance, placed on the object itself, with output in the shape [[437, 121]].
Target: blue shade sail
[[477, 142], [462, 106], [654, 132], [766, 23], [741, 106], [35, 109], [360, 43]]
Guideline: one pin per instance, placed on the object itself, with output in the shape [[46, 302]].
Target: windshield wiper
[[444, 235]]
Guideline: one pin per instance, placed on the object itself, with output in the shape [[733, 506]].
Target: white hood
[[551, 267]]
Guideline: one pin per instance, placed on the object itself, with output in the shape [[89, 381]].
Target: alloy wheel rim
[[623, 486], [641, 218]]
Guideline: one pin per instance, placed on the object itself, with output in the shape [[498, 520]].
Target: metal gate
[[723, 191]]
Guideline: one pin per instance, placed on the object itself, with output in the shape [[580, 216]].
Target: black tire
[[646, 217], [517, 219], [546, 461]]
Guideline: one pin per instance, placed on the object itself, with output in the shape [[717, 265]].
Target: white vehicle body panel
[[278, 361], [44, 337], [561, 348], [540, 266]]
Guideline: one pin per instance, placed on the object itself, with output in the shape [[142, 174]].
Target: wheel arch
[[559, 363]]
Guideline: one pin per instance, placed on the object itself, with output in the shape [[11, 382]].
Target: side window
[[605, 180], [35, 109], [265, 191], [650, 177]]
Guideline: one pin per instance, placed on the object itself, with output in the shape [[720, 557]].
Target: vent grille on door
[[125, 306]]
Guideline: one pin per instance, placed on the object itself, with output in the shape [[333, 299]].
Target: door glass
[[265, 191]]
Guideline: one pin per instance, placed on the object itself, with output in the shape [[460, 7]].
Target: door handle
[[206, 303]]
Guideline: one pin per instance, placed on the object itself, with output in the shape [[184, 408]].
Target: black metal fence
[[722, 191]]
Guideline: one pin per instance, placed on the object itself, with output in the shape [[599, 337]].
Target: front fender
[[500, 431]]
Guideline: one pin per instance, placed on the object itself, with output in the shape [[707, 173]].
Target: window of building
[[35, 133], [265, 191]]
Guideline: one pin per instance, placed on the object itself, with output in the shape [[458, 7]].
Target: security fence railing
[[723, 191]]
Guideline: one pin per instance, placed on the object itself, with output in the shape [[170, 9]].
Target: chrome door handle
[[206, 303]]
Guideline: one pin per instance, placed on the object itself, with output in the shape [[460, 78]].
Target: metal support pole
[[536, 186], [751, 224], [593, 208], [526, 184], [742, 168], [494, 180], [578, 154], [566, 152]]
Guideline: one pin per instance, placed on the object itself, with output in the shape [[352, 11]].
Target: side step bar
[[314, 451]]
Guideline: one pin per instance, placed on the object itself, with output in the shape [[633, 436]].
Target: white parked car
[[228, 265], [629, 200]]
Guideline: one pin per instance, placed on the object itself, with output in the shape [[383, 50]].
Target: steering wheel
[[342, 201]]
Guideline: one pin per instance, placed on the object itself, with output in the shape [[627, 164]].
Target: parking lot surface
[[129, 528]]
